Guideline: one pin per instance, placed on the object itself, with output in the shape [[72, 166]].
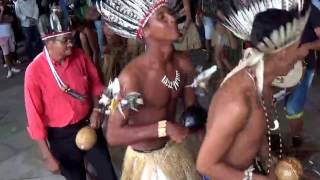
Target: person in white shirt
[[7, 42], [28, 13]]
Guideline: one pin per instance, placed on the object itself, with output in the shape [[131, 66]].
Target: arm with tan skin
[[222, 130], [93, 43], [36, 127], [1, 13], [232, 39], [95, 117], [121, 133], [315, 44], [85, 44], [187, 12], [49, 159]]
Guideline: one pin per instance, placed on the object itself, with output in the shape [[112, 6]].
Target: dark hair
[[266, 22]]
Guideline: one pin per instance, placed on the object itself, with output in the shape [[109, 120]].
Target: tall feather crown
[[128, 17], [240, 23], [286, 35]]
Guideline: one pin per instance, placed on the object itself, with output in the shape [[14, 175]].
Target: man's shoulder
[[131, 71], [234, 96], [130, 77], [37, 62], [239, 85], [36, 66], [183, 60]]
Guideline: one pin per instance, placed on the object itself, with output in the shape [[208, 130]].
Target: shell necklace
[[172, 84]]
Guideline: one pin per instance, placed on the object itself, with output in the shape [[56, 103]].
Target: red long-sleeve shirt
[[47, 105]]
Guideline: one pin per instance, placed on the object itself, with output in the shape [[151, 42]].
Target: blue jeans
[[65, 20], [296, 100], [34, 44], [205, 178], [98, 25], [201, 33]]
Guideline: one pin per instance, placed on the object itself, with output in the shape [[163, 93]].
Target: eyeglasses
[[65, 40]]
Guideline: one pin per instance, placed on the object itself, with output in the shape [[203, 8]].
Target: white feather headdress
[[127, 17], [240, 22]]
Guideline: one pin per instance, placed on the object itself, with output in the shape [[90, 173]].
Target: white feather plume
[[240, 20], [203, 76]]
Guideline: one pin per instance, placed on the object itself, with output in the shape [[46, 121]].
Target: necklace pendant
[[276, 125], [171, 84]]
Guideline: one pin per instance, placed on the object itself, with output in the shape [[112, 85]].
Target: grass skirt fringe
[[173, 162]]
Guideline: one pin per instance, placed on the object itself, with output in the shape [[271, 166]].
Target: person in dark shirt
[[296, 100]]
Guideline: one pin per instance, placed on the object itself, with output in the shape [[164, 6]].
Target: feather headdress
[[240, 22], [128, 17], [56, 29]]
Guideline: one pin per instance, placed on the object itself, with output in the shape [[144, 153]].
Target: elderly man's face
[[62, 45]]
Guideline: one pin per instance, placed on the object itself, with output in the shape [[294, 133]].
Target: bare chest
[[159, 92]]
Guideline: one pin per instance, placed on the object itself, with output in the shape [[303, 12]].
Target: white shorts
[[7, 45]]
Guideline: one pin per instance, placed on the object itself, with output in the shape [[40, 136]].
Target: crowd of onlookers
[[27, 21], [198, 21]]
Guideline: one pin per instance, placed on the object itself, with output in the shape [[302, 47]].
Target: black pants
[[34, 44], [71, 158]]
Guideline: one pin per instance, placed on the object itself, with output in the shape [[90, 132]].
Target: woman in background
[[86, 38]]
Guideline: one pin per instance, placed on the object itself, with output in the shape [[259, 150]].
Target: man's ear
[[49, 43], [146, 31]]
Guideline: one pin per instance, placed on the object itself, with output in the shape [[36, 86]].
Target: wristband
[[97, 110], [162, 128], [248, 174]]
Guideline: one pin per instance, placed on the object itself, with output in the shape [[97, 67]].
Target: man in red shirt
[[61, 92]]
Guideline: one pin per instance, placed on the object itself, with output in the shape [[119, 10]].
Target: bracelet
[[99, 110], [162, 128], [248, 174]]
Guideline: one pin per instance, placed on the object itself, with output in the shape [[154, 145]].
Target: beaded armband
[[162, 128], [112, 100]]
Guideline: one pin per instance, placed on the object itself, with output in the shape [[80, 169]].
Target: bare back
[[159, 101], [236, 123]]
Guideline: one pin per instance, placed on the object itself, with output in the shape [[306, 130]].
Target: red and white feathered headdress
[[127, 18]]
